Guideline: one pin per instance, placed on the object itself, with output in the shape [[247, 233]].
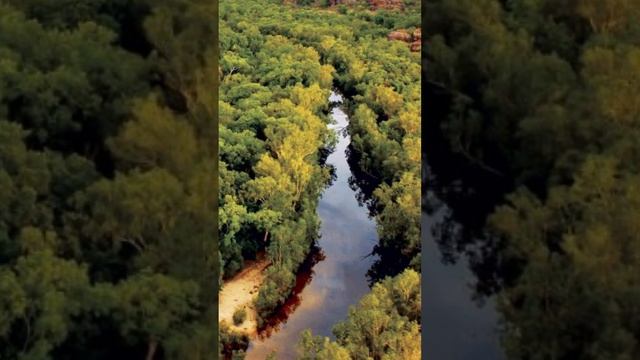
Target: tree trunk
[[151, 349], [266, 234]]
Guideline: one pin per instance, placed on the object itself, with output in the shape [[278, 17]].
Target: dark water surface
[[460, 264], [455, 326], [335, 278]]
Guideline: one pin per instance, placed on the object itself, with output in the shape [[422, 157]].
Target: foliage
[[542, 94], [239, 316], [234, 343], [107, 208], [273, 95], [278, 64], [384, 325]]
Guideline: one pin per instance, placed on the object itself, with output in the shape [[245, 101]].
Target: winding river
[[325, 290], [460, 321]]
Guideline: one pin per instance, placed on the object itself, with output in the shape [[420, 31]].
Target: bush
[[274, 291], [231, 342], [342, 9], [238, 355], [239, 316]]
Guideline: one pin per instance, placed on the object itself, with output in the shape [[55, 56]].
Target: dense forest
[[544, 94], [278, 65], [107, 174]]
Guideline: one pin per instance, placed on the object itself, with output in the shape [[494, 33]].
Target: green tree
[[384, 325]]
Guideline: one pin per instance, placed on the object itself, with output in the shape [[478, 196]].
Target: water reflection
[[335, 280], [303, 278], [464, 195], [361, 183], [388, 260], [460, 259]]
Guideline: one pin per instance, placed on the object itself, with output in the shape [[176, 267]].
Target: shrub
[[238, 355], [239, 316], [231, 341]]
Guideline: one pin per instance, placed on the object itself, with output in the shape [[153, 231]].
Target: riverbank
[[241, 291], [326, 289]]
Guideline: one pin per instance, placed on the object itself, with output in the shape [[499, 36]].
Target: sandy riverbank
[[242, 290]]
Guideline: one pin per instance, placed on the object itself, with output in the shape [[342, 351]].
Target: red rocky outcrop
[[385, 4], [416, 45], [414, 39], [400, 35]]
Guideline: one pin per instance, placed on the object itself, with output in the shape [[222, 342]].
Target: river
[[462, 273], [460, 321], [326, 289], [455, 326]]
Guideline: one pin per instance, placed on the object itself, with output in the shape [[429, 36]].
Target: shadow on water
[[464, 195], [303, 278], [362, 183], [388, 261], [461, 261]]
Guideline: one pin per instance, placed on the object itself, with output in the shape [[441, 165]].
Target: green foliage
[[44, 294], [154, 308], [274, 91], [596, 233], [74, 90], [399, 220], [151, 138], [234, 343], [277, 66], [239, 316], [560, 125], [106, 203], [384, 325]]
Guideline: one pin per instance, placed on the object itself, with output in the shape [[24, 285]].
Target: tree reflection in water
[[464, 194], [389, 261], [303, 278]]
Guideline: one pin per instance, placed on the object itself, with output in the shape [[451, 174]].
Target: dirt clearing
[[241, 290]]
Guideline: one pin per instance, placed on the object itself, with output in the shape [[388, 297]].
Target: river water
[[455, 326], [327, 288], [462, 275]]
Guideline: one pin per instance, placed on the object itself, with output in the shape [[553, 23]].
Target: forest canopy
[[544, 94], [279, 62], [107, 204]]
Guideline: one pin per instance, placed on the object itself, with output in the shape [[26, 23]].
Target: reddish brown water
[[326, 289], [303, 278]]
